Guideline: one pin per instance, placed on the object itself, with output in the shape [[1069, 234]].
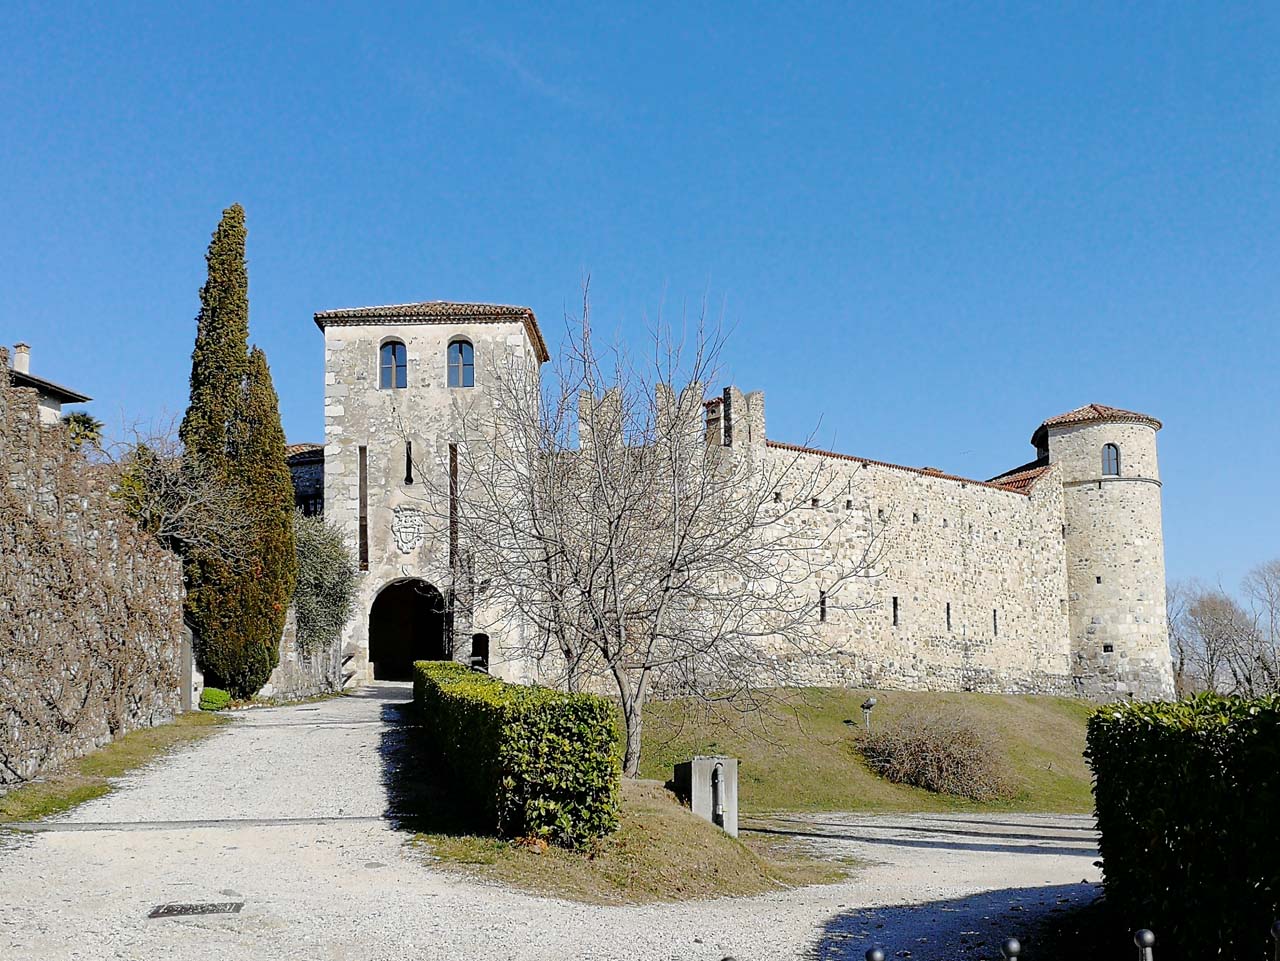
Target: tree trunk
[[632, 714]]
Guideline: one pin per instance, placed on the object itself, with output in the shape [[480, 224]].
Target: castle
[[1048, 578]]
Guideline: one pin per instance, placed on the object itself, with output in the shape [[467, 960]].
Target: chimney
[[22, 358]]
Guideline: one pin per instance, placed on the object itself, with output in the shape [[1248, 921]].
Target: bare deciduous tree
[[1182, 640], [1222, 644], [592, 507], [182, 506], [1262, 590]]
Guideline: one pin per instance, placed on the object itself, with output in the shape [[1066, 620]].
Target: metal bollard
[[875, 954], [1144, 939], [1011, 948]]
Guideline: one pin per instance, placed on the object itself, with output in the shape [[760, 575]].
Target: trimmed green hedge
[[1188, 805], [214, 699], [535, 762]]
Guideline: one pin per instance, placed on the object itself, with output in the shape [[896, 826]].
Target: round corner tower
[[1114, 546]]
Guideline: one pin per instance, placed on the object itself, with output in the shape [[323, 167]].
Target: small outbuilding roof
[[1090, 413], [64, 395], [298, 453], [1021, 479], [437, 312]]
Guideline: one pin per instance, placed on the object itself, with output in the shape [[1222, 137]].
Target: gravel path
[[287, 811]]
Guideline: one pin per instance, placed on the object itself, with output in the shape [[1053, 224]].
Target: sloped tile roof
[[1022, 480], [924, 471], [62, 394], [1098, 412], [1093, 412], [437, 312], [303, 452]]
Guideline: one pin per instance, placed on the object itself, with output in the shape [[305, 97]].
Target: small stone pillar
[[709, 785]]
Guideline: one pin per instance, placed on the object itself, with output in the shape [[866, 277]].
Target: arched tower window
[[462, 364], [1110, 460], [393, 366]]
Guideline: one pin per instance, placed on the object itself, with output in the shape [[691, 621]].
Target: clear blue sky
[[931, 228]]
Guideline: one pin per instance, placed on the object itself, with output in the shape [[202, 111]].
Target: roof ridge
[[923, 471], [440, 311], [1089, 413]]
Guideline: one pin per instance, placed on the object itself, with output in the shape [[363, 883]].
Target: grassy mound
[[89, 777], [661, 852], [799, 753]]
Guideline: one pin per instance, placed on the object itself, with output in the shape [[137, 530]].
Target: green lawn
[[661, 852], [799, 753], [89, 777]]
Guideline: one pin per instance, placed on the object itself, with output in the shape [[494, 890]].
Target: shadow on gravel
[[874, 837], [946, 828], [960, 929], [417, 788]]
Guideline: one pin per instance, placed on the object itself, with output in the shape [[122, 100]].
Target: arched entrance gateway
[[408, 622]]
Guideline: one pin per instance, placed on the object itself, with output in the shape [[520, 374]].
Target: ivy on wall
[[325, 592], [90, 606]]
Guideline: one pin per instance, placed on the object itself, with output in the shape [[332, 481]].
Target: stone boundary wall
[[299, 674], [90, 607]]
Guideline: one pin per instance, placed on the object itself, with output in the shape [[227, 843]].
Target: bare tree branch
[[642, 554]]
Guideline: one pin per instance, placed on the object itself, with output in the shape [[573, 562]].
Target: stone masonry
[[90, 606], [1048, 578], [405, 542]]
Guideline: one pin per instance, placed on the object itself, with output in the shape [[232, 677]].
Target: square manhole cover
[[187, 910]]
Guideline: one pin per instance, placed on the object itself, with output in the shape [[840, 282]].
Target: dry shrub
[[944, 753]]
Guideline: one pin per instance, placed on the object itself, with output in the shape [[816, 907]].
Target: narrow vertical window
[[364, 508], [393, 367], [453, 506], [408, 462], [995, 623], [480, 652], [895, 612], [822, 606], [462, 365], [1110, 460], [948, 615]]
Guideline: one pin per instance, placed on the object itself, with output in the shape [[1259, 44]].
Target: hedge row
[[535, 762], [1188, 806]]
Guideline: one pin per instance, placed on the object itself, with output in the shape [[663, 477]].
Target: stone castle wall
[[995, 557], [996, 586], [303, 674], [90, 607], [407, 522], [1115, 560]]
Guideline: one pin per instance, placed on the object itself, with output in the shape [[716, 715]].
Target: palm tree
[[83, 428]]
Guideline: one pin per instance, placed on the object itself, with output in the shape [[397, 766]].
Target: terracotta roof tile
[[1021, 481], [923, 471], [1098, 412], [1089, 413], [437, 312], [303, 451]]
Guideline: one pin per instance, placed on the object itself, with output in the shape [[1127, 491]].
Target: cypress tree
[[232, 431], [220, 360], [258, 468], [219, 364]]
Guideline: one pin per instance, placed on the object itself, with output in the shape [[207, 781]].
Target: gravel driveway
[[287, 811]]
